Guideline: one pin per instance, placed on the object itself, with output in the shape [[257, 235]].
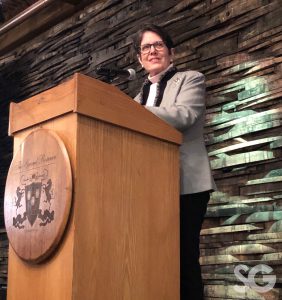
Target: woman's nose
[[152, 49]]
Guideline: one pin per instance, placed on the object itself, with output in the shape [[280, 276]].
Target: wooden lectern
[[122, 237]]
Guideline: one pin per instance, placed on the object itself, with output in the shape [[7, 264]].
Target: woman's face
[[155, 61]]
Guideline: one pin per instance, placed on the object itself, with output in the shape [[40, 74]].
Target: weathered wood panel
[[237, 44], [10, 8]]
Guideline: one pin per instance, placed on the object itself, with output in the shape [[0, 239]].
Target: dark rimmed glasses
[[159, 45]]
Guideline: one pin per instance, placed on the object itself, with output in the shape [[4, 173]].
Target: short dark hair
[[156, 29]]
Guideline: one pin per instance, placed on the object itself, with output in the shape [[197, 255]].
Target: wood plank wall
[[237, 44]]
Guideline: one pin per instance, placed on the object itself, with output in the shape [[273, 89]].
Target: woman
[[179, 99]]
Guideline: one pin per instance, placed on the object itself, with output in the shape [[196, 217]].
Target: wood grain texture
[[47, 17], [42, 107], [124, 226], [93, 98], [131, 249], [109, 104], [38, 196], [54, 277], [237, 45]]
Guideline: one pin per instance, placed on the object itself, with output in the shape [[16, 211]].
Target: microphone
[[112, 73]]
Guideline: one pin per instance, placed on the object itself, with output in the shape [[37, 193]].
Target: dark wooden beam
[[37, 23], [74, 2]]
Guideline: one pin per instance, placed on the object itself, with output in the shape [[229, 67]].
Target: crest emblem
[[38, 195], [34, 188], [32, 200]]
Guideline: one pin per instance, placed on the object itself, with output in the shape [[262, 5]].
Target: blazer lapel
[[171, 90]]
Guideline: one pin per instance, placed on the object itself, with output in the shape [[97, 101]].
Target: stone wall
[[237, 44]]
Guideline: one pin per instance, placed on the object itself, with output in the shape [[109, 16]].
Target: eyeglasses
[[159, 45]]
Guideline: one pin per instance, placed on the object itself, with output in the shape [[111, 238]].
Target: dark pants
[[192, 211]]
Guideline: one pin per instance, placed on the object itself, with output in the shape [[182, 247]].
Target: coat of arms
[[38, 195], [37, 191]]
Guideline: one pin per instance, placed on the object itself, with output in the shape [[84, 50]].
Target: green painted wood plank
[[264, 216], [237, 209], [261, 117], [228, 291], [230, 229], [242, 158], [218, 259], [246, 144], [241, 130], [264, 180]]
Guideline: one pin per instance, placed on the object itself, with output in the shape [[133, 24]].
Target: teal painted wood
[[237, 45]]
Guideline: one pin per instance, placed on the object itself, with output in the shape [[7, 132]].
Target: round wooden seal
[[38, 196]]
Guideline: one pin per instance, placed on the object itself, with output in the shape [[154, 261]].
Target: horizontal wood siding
[[237, 44]]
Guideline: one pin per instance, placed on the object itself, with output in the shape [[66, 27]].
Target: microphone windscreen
[[132, 74]]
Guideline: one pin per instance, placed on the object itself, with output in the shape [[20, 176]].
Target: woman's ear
[[139, 59]]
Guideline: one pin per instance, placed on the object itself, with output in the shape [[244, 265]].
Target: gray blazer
[[183, 107]]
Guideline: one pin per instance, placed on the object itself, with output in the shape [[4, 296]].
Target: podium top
[[93, 98]]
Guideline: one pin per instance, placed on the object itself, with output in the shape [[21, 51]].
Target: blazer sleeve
[[188, 105]]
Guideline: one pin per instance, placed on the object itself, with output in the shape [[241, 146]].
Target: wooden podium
[[122, 237]]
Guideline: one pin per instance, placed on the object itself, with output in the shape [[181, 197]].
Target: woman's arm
[[189, 104]]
